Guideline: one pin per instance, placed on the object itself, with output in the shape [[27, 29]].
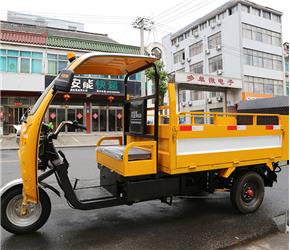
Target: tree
[[163, 78]]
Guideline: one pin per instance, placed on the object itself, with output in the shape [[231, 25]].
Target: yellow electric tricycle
[[163, 153]]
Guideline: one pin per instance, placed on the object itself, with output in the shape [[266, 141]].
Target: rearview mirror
[[63, 81]]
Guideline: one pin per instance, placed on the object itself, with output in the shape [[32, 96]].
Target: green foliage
[[163, 78]]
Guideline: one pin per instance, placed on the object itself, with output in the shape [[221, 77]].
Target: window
[[261, 35], [203, 26], [173, 42], [233, 10], [255, 12], [196, 95], [36, 64], [196, 68], [21, 61], [184, 96], [186, 34], [214, 40], [266, 14], [212, 21], [178, 56], [180, 38], [12, 60], [195, 48], [195, 29], [56, 63], [222, 15], [262, 60], [276, 18], [263, 85], [3, 60], [215, 63], [247, 31], [246, 8]]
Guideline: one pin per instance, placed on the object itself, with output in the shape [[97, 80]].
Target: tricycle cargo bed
[[222, 145]]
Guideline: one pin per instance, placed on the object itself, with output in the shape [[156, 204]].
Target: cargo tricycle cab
[[137, 152]]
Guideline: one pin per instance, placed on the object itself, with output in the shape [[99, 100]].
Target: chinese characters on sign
[[102, 86], [208, 80]]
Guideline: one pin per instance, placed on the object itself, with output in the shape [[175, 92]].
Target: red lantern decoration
[[66, 97], [111, 98]]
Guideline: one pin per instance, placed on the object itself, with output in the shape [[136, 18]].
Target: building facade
[[286, 60], [32, 55], [239, 40]]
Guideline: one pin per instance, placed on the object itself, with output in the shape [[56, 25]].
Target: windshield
[[40, 99]]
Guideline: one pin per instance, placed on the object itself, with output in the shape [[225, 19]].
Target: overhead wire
[[175, 8], [179, 15]]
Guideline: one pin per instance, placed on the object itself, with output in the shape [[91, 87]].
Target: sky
[[115, 17]]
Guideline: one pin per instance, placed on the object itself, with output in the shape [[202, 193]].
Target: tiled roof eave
[[91, 45]]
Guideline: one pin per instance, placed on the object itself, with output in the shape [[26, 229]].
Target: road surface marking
[[9, 161]]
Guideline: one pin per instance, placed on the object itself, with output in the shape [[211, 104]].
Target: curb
[[252, 238]]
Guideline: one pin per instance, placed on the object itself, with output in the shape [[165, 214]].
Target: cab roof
[[109, 64]]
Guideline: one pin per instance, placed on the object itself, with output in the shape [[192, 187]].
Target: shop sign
[[101, 86], [18, 104], [246, 96], [95, 116], [98, 86], [207, 80], [79, 116]]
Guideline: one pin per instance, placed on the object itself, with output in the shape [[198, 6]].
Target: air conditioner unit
[[212, 25], [209, 100], [219, 98], [207, 51], [190, 104], [188, 59], [182, 61], [195, 34], [218, 47], [219, 72], [218, 22]]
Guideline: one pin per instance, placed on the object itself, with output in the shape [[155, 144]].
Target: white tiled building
[[239, 40]]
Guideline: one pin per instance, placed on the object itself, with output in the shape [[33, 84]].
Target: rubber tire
[[236, 192], [12, 228]]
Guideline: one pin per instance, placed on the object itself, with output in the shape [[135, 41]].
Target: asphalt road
[[205, 223]]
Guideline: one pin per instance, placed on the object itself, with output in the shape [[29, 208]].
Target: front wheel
[[247, 192], [11, 218]]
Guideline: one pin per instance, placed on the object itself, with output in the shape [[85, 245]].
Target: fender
[[20, 182], [10, 185]]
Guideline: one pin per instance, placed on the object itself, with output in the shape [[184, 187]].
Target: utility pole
[[143, 23]]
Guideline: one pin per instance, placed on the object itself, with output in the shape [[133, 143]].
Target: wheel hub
[[22, 215], [249, 192]]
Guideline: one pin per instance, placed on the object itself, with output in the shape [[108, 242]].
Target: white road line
[[9, 161]]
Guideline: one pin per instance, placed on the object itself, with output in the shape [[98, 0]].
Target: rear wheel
[[247, 192], [11, 218]]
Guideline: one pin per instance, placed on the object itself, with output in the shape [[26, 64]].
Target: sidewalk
[[64, 140], [277, 241]]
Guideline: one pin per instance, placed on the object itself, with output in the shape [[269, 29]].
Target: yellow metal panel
[[216, 131], [226, 172], [185, 161], [28, 149], [125, 167]]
